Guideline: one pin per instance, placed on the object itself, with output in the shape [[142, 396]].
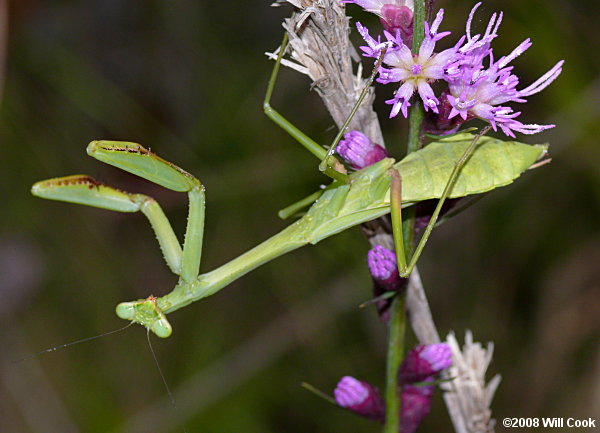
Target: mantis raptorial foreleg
[[83, 189], [135, 159]]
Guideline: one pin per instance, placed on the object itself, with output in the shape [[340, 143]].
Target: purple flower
[[424, 361], [477, 91], [393, 14], [416, 403], [360, 397], [359, 151], [415, 72]]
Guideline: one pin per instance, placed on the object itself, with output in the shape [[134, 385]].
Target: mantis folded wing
[[366, 195]]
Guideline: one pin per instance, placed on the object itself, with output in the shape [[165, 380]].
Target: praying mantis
[[450, 167]]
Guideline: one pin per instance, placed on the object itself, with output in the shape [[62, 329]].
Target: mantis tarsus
[[455, 166]]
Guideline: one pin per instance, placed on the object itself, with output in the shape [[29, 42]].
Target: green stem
[[415, 120], [398, 315], [415, 123], [394, 359], [418, 25]]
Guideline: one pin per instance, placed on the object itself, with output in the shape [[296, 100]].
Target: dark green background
[[186, 78]]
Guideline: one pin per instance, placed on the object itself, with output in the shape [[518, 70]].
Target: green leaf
[[425, 173], [494, 163]]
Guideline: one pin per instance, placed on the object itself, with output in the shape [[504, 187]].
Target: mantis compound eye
[[162, 328], [126, 310]]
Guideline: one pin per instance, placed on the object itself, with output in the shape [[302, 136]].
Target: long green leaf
[[425, 173]]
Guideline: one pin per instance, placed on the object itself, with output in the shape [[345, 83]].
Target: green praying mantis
[[450, 167]]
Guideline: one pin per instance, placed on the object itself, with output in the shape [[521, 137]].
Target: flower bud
[[424, 361], [384, 270], [416, 403], [393, 14], [359, 151], [383, 265], [394, 18], [360, 397]]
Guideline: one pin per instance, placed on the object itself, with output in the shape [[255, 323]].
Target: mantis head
[[146, 313]]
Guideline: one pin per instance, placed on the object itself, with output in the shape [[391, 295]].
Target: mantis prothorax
[[455, 166]]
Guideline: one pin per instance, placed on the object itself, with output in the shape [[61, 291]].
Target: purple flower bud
[[416, 402], [382, 264], [384, 270], [360, 397], [424, 361], [394, 18], [359, 151], [395, 15]]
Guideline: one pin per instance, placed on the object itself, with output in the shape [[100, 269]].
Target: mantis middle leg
[[405, 266]]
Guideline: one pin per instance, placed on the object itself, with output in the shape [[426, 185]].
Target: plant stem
[[394, 358], [417, 113], [415, 122], [398, 309]]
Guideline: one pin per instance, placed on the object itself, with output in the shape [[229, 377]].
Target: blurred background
[[187, 78]]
